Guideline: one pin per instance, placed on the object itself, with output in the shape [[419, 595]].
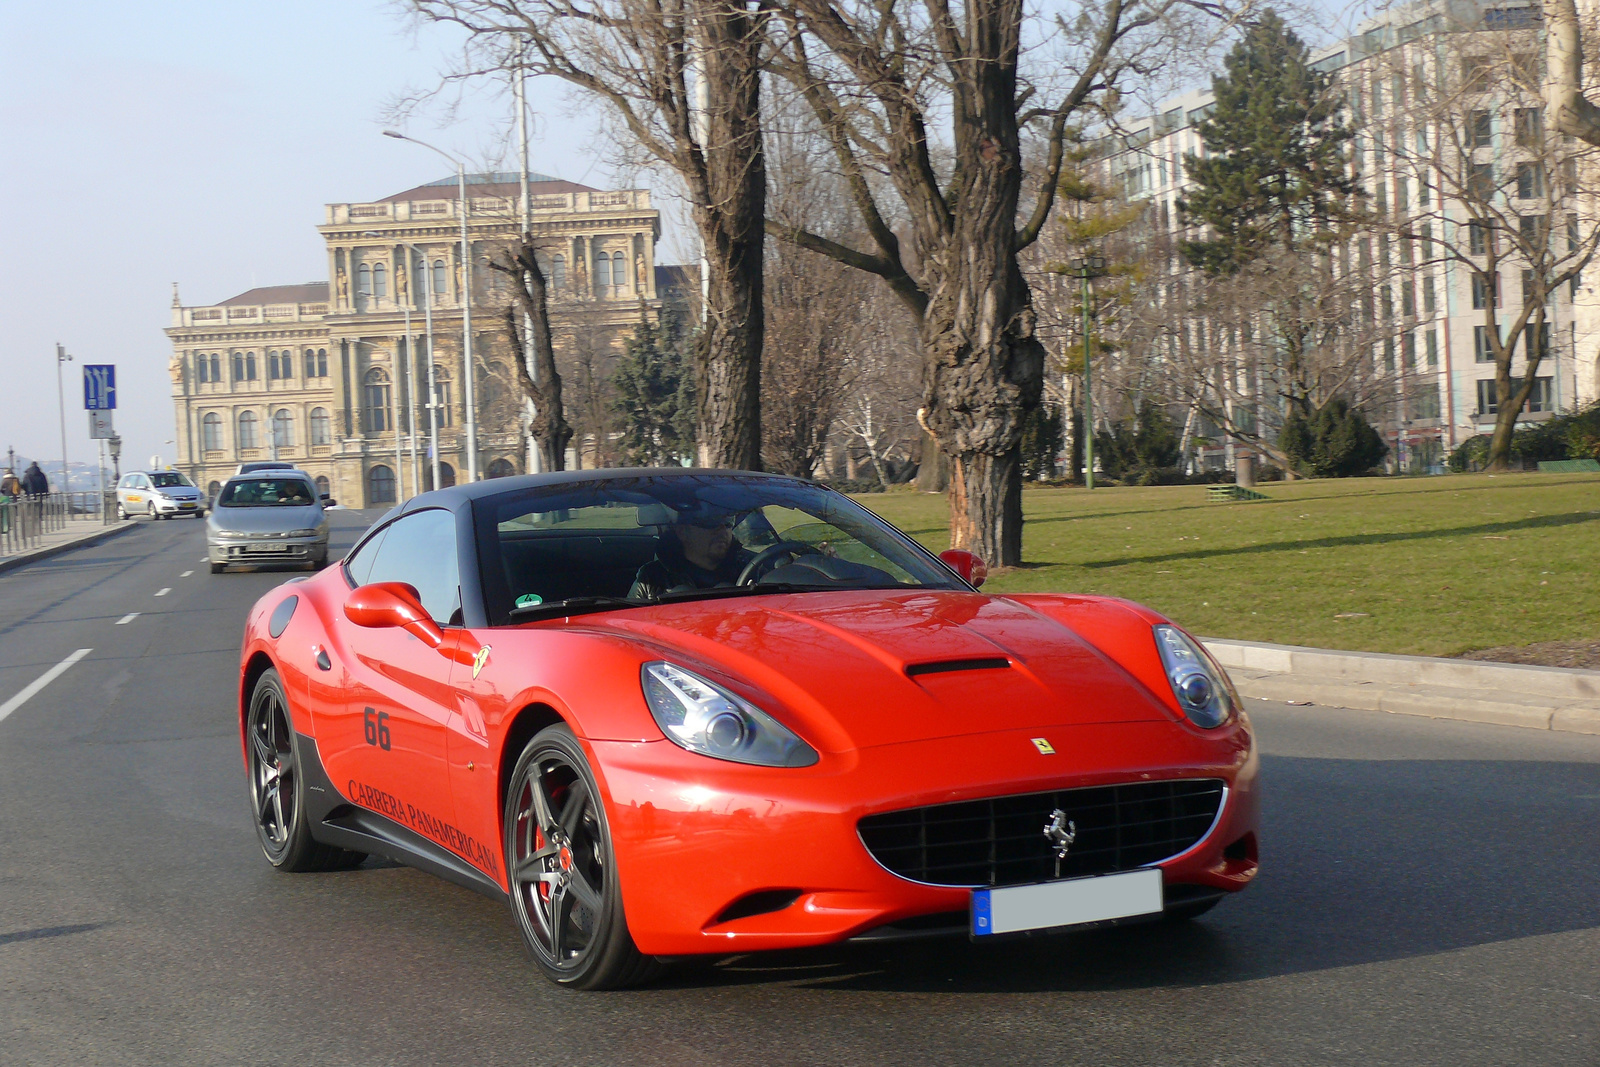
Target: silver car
[[270, 516], [159, 494]]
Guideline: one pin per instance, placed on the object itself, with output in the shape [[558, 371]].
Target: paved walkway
[[1511, 694], [76, 533]]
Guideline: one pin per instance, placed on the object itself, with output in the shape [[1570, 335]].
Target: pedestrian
[[34, 483]]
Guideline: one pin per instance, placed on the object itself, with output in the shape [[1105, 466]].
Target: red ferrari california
[[673, 712]]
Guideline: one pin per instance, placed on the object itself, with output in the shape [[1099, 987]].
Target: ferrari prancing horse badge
[[479, 660]]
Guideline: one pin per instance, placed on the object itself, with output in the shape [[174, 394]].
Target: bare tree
[[1572, 112], [530, 297], [1497, 200], [684, 77], [879, 78]]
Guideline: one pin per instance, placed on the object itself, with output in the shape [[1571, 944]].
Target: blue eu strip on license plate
[[1071, 902]]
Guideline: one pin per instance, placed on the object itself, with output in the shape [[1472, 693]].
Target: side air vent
[[948, 665]]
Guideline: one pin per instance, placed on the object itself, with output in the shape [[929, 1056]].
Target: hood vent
[[949, 665]]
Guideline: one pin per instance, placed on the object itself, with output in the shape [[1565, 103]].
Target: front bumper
[[698, 839], [163, 506], [268, 550]]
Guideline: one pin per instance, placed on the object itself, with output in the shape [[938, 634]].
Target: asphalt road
[[1430, 894]]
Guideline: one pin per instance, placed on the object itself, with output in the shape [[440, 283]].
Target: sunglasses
[[711, 522]]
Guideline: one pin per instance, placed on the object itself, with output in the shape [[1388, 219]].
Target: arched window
[[380, 485], [438, 277], [447, 476], [213, 489], [322, 363], [216, 366], [558, 273], [283, 429], [238, 366], [501, 468], [364, 280], [211, 432], [247, 430], [380, 281], [311, 363], [322, 485], [250, 366], [375, 401], [319, 426], [619, 270], [602, 272], [441, 393]]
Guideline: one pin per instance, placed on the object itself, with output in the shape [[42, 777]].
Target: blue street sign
[[99, 387]]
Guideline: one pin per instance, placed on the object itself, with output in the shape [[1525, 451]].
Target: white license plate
[[1067, 903], [261, 546]]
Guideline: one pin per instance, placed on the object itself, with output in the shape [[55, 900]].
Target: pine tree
[[1274, 175], [655, 395]]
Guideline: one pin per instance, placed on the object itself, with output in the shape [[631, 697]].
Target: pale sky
[[196, 141]]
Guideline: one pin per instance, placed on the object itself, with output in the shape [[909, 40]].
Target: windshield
[[168, 479], [644, 540], [266, 493]]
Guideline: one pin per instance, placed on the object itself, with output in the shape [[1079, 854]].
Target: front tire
[[561, 867], [218, 568], [277, 787]]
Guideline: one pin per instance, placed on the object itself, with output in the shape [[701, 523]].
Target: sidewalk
[[76, 534], [1542, 698]]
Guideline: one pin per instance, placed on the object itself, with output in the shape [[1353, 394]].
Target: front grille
[[1001, 841]]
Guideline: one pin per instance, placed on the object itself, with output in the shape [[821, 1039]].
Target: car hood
[[864, 668], [266, 519]]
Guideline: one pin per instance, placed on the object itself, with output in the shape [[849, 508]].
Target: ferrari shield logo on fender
[[479, 660], [1044, 746]]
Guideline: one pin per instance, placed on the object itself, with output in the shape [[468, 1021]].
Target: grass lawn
[[1421, 566]]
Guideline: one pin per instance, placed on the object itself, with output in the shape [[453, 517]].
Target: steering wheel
[[763, 560]]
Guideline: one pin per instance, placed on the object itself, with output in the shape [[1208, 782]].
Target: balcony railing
[[27, 521]]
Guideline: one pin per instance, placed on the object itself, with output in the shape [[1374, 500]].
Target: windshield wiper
[[572, 605]]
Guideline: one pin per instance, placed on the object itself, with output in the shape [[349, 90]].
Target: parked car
[[663, 713], [159, 494], [270, 516]]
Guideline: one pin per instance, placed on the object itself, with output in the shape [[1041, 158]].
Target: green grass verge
[[1420, 566]]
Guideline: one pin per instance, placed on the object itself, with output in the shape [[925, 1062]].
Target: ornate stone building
[[331, 378]]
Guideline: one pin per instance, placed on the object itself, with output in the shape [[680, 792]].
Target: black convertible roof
[[457, 495]]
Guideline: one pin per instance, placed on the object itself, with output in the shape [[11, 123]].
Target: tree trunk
[[732, 230], [549, 426], [933, 467], [1569, 111], [987, 489], [986, 371]]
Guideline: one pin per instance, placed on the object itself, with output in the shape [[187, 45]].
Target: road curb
[[1507, 694], [23, 558]]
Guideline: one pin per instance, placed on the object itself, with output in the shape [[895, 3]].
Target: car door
[[384, 746]]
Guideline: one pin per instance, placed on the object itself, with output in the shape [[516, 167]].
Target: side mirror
[[964, 563], [399, 604]]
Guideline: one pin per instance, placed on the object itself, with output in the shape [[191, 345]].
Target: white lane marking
[[204, 559], [165, 591], [185, 574], [40, 682], [126, 619]]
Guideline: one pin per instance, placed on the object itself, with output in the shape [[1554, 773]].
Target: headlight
[[703, 717], [302, 533], [233, 535], [1202, 691]]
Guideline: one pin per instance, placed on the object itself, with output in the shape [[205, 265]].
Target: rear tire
[[277, 786], [561, 867]]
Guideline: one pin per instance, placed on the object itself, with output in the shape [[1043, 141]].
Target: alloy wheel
[[558, 861], [272, 771]]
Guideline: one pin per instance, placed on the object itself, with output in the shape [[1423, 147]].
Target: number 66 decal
[[376, 726]]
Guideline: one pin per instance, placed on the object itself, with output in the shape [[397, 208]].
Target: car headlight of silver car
[[233, 535], [1202, 691], [703, 717], [302, 533]]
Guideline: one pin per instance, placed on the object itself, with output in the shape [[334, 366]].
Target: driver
[[699, 552]]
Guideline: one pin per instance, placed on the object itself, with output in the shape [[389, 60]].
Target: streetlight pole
[[61, 399], [466, 303], [1086, 267]]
